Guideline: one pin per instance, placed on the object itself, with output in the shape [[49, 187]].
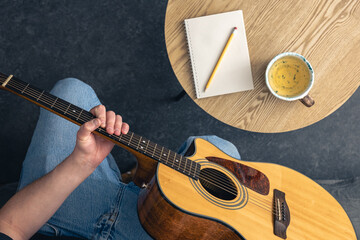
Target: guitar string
[[228, 187], [49, 100], [258, 200], [63, 107], [221, 178], [125, 135], [45, 98], [254, 201], [85, 120]]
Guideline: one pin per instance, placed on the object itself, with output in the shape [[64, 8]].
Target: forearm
[[31, 207]]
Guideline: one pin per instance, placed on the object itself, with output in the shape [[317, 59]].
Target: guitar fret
[[79, 114], [167, 159], [154, 150], [139, 143], [172, 164], [25, 88], [120, 137], [54, 103], [191, 167], [86, 116], [196, 168], [162, 149], [185, 163], [179, 161], [191, 162], [176, 161], [67, 109], [132, 134], [40, 95], [147, 146]]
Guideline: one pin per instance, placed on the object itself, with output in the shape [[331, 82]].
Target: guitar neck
[[80, 116]]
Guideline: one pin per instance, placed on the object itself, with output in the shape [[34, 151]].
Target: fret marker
[[164, 154], [7, 80], [74, 111], [177, 160]]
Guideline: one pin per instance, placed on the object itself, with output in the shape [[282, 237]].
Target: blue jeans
[[102, 207]]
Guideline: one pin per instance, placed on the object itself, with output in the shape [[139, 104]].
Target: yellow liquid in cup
[[289, 76]]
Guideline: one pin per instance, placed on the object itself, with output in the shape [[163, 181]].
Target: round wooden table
[[327, 33]]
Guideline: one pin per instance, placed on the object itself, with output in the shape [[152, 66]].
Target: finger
[[100, 112], [125, 128], [118, 125], [110, 122], [87, 128]]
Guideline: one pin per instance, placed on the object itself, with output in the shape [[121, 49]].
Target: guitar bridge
[[281, 214]]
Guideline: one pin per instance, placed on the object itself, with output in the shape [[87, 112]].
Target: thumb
[[86, 129]]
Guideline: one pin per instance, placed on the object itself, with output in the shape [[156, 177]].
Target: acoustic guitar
[[210, 195]]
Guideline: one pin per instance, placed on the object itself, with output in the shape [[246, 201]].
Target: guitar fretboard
[[80, 116]]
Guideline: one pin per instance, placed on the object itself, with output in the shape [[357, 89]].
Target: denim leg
[[53, 140], [123, 221], [224, 145]]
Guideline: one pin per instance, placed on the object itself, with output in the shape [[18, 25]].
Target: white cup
[[304, 96]]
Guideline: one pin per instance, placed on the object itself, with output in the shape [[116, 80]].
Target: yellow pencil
[[221, 56]]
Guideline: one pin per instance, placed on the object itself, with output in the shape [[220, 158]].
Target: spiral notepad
[[206, 38]]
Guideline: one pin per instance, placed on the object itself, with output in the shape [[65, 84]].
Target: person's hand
[[91, 149]]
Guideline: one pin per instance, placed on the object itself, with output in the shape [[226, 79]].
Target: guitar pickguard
[[248, 176]]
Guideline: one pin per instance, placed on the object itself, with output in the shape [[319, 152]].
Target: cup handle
[[307, 101]]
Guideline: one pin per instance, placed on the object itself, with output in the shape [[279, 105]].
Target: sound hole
[[217, 184]]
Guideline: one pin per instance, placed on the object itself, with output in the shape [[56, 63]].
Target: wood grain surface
[[327, 33]]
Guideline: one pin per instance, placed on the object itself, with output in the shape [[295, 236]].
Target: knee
[[76, 92], [70, 84], [224, 145]]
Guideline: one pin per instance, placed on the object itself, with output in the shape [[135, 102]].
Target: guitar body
[[241, 203]]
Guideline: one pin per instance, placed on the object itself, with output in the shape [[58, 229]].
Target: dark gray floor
[[118, 48]]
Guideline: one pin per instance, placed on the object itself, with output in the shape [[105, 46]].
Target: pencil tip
[[235, 27]]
